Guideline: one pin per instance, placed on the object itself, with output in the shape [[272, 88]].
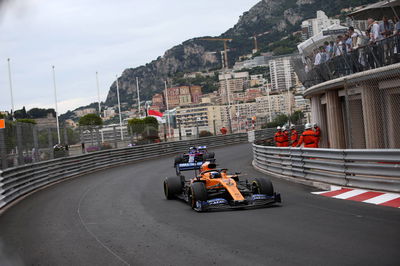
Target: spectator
[[223, 131], [321, 56], [317, 59], [328, 50], [396, 26], [354, 38], [339, 46], [332, 52], [347, 41], [386, 27], [374, 29]]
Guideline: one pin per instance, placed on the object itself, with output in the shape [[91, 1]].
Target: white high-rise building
[[282, 73], [312, 27]]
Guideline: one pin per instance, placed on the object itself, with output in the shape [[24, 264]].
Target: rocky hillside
[[279, 17]]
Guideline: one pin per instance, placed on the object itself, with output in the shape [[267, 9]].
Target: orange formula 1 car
[[214, 188]]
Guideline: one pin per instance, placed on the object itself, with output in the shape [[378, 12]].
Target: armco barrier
[[369, 169], [18, 181]]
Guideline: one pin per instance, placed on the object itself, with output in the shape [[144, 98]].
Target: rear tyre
[[178, 159], [210, 155], [198, 192], [172, 187], [262, 186]]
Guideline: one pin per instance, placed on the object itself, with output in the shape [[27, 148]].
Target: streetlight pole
[[11, 89], [138, 95], [119, 111], [166, 99], [269, 103], [98, 92], [55, 101], [229, 98]]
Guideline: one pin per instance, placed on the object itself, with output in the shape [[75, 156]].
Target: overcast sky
[[80, 37]]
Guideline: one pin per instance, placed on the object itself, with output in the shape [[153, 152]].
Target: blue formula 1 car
[[193, 159]]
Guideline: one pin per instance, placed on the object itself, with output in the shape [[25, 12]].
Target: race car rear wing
[[191, 165]]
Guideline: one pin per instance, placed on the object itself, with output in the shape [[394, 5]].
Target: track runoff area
[[120, 216]]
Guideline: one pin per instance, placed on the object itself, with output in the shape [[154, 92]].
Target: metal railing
[[18, 181], [369, 169], [371, 56]]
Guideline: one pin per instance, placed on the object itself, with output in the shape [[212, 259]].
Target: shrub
[[205, 133]]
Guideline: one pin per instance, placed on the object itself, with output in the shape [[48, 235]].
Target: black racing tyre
[[178, 159], [198, 191], [210, 155], [262, 186], [172, 186]]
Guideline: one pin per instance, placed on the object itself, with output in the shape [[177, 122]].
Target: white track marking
[[350, 194], [85, 225], [382, 198]]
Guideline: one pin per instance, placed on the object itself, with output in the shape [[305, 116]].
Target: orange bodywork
[[224, 181]]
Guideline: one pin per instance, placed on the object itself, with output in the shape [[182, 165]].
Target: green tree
[[90, 120], [40, 112], [136, 125], [21, 114], [205, 133], [26, 120], [297, 117], [146, 127], [278, 121]]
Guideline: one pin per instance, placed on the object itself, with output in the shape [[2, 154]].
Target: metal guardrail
[[18, 181], [369, 169]]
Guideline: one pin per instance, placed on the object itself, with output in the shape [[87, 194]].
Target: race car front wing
[[253, 201]]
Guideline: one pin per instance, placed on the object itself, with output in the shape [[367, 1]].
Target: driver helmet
[[308, 126], [278, 128], [215, 175], [207, 166]]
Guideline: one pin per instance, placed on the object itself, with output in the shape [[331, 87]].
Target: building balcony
[[382, 53]]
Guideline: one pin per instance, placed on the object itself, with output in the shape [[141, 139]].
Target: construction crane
[[254, 37], [225, 40]]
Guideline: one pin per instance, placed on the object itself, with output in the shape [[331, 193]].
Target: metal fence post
[[35, 152], [20, 150], [50, 143], [66, 142], [3, 149], [81, 134], [115, 137], [180, 132], [215, 128], [98, 137]]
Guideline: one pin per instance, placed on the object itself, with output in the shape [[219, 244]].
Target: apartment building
[[282, 74]]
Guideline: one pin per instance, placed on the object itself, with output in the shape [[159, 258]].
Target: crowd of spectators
[[357, 51]]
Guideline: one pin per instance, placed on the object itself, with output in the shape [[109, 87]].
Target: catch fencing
[[18, 181], [368, 169]]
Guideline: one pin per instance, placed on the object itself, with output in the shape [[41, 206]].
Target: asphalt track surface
[[120, 217]]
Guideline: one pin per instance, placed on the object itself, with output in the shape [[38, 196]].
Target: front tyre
[[198, 192], [262, 186], [172, 186]]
